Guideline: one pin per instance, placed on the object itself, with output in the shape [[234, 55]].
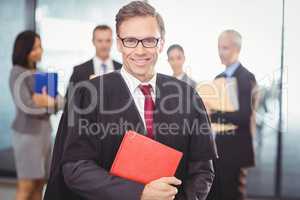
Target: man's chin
[[140, 69], [141, 72]]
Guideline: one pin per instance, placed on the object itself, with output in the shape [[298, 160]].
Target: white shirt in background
[[98, 70]]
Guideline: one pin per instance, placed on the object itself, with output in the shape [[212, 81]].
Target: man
[[176, 58], [102, 62], [235, 148], [135, 98]]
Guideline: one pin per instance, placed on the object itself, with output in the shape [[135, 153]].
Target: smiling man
[[161, 107]]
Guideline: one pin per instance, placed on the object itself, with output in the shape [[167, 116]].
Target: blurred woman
[[31, 126]]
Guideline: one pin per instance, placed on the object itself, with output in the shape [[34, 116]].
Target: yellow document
[[220, 95]]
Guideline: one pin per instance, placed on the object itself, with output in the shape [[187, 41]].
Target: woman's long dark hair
[[22, 47]]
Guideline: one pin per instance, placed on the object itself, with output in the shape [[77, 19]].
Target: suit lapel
[[90, 67], [160, 116], [235, 74], [158, 112], [185, 77], [237, 71], [131, 114], [116, 65]]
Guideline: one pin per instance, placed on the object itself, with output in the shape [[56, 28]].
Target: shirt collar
[[180, 77], [100, 61], [133, 83], [229, 71]]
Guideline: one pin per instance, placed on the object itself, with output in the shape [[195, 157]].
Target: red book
[[143, 160]]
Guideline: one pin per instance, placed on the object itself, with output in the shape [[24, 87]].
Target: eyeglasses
[[131, 42]]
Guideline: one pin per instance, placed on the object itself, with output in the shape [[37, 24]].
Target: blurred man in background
[[176, 59], [101, 63], [235, 148]]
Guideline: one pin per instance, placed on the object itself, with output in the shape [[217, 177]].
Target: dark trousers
[[229, 182]]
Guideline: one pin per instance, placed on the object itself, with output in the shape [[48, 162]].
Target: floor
[[7, 192]]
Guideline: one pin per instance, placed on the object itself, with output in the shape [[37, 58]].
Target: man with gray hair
[[235, 147]]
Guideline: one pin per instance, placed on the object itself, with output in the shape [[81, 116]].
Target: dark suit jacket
[[95, 147], [83, 71], [189, 81], [80, 73], [236, 148]]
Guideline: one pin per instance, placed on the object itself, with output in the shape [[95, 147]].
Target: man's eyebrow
[[140, 38]]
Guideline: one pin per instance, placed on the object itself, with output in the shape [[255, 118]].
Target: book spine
[[117, 155]]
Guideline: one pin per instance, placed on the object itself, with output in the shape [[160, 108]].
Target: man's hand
[[161, 189]]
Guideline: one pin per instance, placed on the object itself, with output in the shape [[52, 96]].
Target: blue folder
[[48, 80]]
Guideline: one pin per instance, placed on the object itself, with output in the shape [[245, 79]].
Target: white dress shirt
[[98, 70], [180, 76], [138, 97]]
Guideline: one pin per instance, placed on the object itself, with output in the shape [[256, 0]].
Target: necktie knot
[[146, 89]]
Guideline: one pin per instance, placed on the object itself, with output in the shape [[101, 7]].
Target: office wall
[[15, 16], [12, 21]]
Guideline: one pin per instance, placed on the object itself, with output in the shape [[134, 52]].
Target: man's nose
[[140, 48]]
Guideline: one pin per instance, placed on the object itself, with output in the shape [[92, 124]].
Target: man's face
[[102, 41], [176, 59], [228, 50], [140, 61]]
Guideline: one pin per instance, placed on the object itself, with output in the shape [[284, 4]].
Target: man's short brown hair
[[139, 9], [101, 27]]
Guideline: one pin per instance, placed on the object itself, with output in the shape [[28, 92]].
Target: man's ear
[[93, 41], [119, 45], [161, 45]]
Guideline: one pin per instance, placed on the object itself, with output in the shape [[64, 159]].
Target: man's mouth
[[140, 61]]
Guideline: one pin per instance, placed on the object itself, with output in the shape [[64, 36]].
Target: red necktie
[[148, 109]]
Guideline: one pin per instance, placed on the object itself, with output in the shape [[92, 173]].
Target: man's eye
[[149, 40], [130, 40]]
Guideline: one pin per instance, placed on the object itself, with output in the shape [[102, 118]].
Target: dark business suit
[[188, 80], [235, 148], [80, 74], [83, 71], [87, 158]]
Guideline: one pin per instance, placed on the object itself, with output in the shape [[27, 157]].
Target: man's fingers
[[161, 189], [170, 180], [159, 185], [173, 191], [168, 193], [167, 188]]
